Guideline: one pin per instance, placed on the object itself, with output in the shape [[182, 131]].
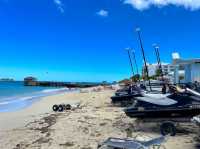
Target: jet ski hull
[[124, 99], [169, 112]]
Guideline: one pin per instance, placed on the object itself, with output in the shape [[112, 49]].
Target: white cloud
[[102, 13], [145, 4], [60, 5]]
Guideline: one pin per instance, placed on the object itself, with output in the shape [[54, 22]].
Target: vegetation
[[6, 79], [135, 78], [114, 82], [125, 81], [158, 72], [104, 83], [181, 78]]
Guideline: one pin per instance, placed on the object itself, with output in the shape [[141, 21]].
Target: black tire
[[168, 128], [55, 108], [68, 107], [60, 108]]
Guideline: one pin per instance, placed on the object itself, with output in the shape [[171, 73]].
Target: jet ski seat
[[163, 101]]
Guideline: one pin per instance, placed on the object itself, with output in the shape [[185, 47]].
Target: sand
[[38, 127]]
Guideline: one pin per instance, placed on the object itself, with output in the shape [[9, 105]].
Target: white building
[[167, 69], [186, 71], [179, 71], [151, 69]]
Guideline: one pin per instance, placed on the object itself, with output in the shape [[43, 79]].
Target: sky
[[85, 40]]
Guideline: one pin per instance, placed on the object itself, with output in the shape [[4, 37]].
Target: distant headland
[[7, 79]]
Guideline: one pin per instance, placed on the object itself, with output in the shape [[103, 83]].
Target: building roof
[[156, 64], [187, 61]]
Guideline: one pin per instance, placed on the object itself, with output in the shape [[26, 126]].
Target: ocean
[[15, 96]]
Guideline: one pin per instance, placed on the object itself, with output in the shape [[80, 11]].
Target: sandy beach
[[38, 127]]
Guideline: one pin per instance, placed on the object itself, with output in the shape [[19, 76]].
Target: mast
[[156, 47], [136, 65], [145, 63], [135, 62], [130, 60]]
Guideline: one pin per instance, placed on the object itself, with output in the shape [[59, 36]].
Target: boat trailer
[[167, 125]]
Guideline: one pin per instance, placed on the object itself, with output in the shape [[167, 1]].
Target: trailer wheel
[[55, 108], [168, 128], [68, 107], [60, 108]]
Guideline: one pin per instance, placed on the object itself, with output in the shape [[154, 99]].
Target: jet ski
[[122, 91], [126, 97], [177, 105]]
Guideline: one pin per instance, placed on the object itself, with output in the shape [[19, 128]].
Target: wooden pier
[[31, 81]]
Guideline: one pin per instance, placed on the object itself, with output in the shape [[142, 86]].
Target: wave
[[13, 100], [55, 90], [35, 94], [29, 98], [5, 102]]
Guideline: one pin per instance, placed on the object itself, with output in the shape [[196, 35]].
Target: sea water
[[15, 96]]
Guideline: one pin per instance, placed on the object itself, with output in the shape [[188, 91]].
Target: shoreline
[[20, 117], [15, 103]]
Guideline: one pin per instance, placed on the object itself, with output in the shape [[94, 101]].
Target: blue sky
[[84, 40]]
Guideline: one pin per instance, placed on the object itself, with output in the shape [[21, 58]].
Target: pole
[[145, 63], [159, 61], [131, 64], [135, 62], [136, 65]]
